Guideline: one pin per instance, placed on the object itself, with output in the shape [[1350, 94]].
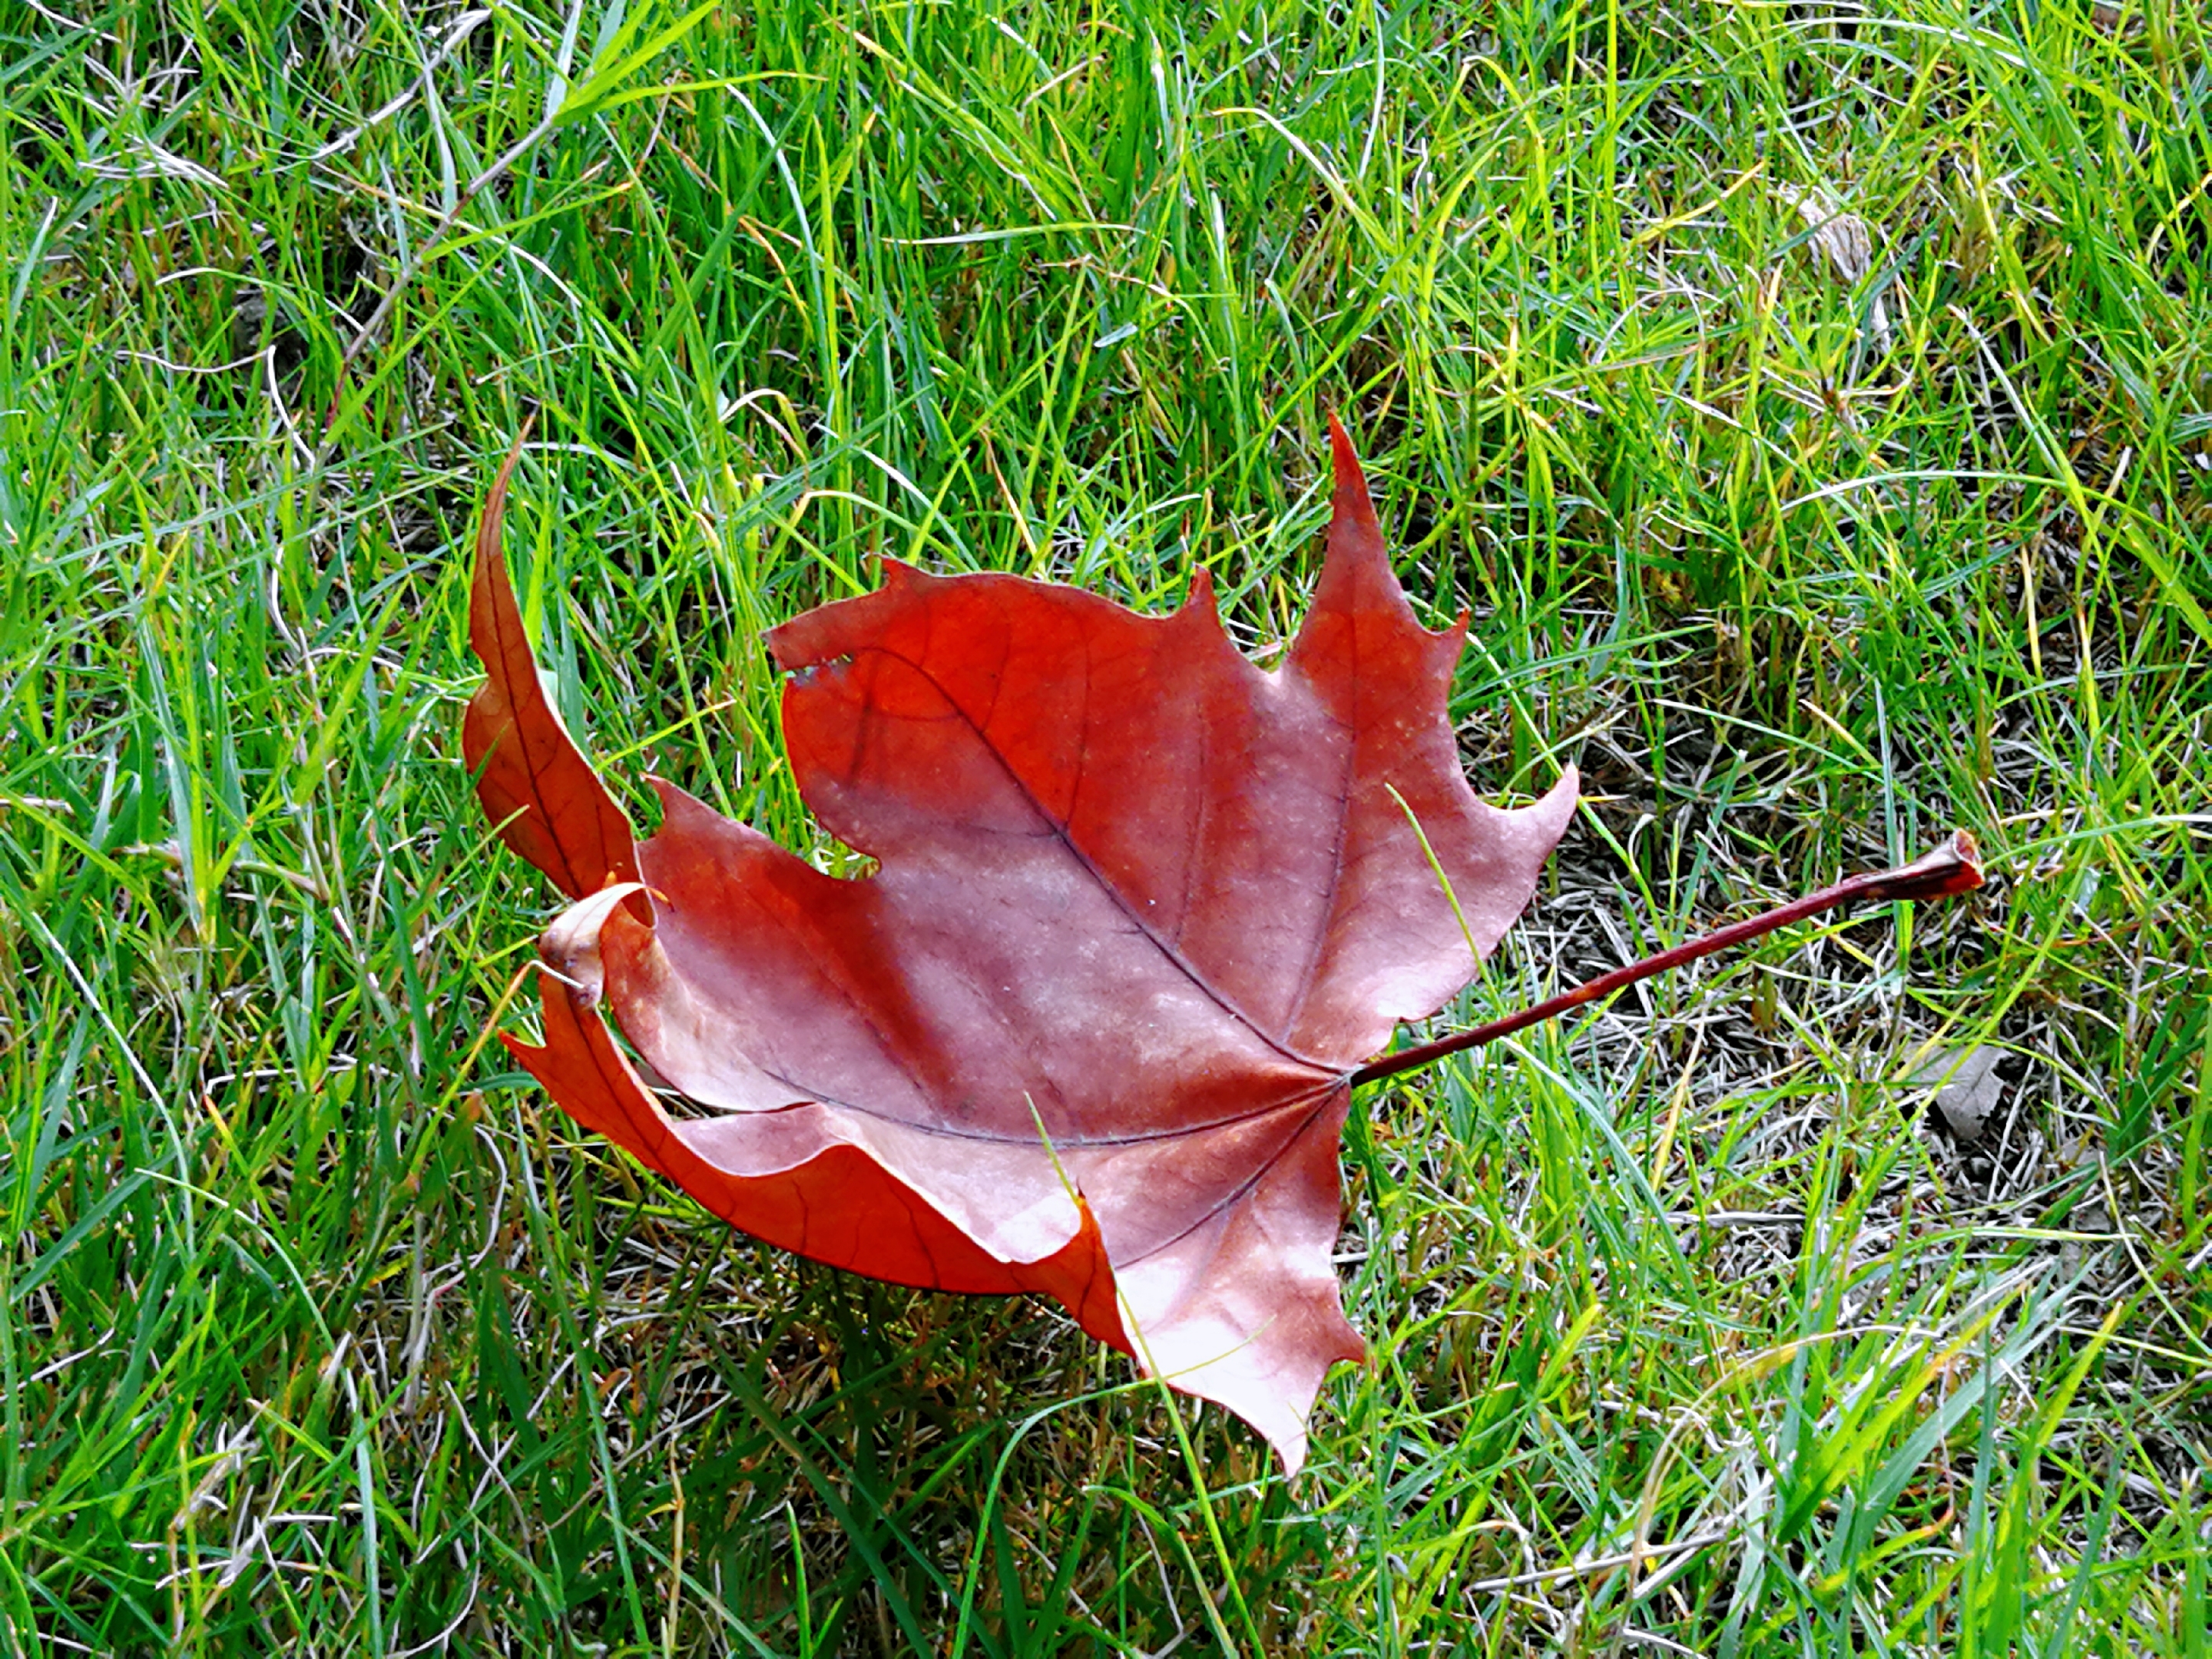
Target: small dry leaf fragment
[[1966, 1087], [1843, 240], [1840, 237]]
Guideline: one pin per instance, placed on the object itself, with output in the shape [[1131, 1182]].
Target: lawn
[[1812, 407]]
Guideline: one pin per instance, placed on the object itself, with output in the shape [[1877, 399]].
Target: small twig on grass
[[463, 27], [430, 246]]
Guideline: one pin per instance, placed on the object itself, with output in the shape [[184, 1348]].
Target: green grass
[[1692, 1332]]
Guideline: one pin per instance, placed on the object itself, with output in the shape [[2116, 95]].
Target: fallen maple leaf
[[1092, 1028]]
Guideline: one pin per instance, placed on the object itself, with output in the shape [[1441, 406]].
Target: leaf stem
[[1953, 868]]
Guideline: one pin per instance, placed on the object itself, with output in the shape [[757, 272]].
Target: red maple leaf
[[1142, 909], [1092, 1028]]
